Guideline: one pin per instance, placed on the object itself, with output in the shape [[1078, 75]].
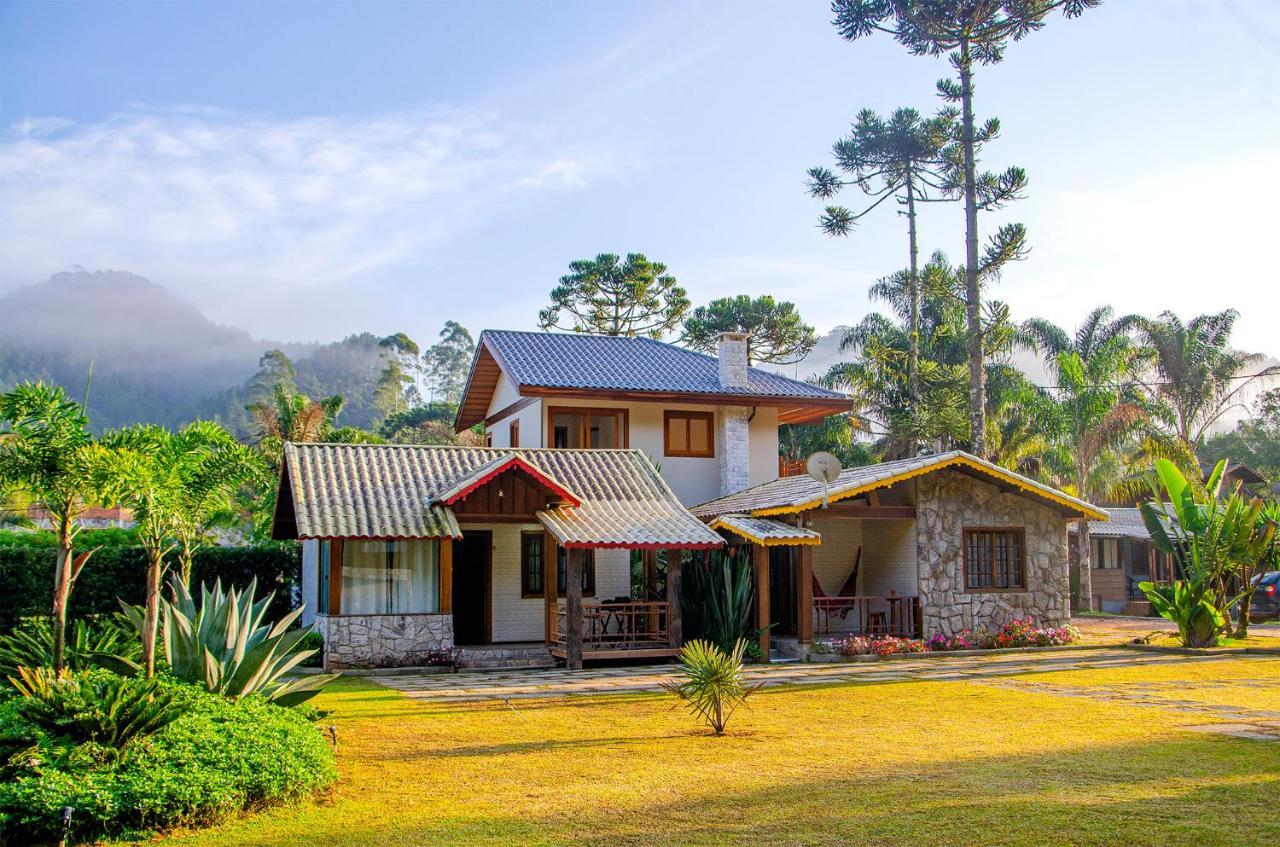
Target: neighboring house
[[914, 547], [92, 517], [1122, 556], [599, 446]]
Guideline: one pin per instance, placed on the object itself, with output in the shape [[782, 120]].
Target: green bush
[[113, 574], [218, 758], [94, 707], [90, 643]]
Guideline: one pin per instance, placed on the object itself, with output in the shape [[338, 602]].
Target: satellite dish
[[825, 468]]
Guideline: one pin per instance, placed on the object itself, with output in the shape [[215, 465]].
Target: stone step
[[500, 657]]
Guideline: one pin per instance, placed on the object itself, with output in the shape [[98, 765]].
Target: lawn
[[917, 763]]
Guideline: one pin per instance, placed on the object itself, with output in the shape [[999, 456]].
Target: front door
[[472, 559], [782, 590]]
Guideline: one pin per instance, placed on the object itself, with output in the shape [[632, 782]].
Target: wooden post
[[675, 626], [550, 554], [446, 576], [804, 596], [573, 609], [760, 556]]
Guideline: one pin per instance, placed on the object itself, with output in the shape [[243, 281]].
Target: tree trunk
[[913, 349], [61, 596], [1085, 559], [972, 286], [151, 615], [1242, 615]]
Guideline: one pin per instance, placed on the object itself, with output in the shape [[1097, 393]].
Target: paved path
[[503, 685]]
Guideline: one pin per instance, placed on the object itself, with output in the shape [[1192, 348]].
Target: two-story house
[[605, 451]]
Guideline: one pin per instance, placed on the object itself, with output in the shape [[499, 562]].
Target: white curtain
[[390, 577]]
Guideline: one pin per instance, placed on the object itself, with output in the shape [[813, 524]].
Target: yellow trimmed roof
[[769, 533], [793, 494]]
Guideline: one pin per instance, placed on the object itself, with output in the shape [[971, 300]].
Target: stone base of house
[[382, 641]]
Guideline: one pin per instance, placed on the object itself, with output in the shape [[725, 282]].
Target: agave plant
[[98, 707], [712, 682], [720, 594], [108, 643], [226, 646]]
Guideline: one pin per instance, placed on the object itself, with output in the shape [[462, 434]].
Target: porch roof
[[765, 531], [793, 494], [396, 491]]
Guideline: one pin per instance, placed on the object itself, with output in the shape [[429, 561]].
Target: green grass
[[919, 763]]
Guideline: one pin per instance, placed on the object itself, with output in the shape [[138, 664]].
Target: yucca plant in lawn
[[1214, 539], [711, 682], [226, 645], [95, 707]]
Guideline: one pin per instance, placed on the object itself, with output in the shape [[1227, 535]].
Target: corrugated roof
[[769, 533], [1124, 522], [802, 493], [386, 491], [609, 362]]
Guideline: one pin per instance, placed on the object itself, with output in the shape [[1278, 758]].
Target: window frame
[[526, 589], [584, 413], [1021, 534], [527, 592], [687, 415], [513, 433]]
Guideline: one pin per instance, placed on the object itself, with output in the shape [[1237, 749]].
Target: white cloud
[[203, 195]]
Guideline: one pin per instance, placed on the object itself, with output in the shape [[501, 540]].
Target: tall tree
[[447, 362], [397, 384], [611, 296], [1255, 440], [1100, 410], [44, 459], [1199, 376], [904, 157], [776, 334], [972, 32]]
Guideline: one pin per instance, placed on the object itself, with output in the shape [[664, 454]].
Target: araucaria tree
[[776, 334], [611, 296], [904, 158], [44, 456], [971, 32]]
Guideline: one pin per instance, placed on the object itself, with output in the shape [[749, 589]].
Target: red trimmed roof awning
[[501, 464]]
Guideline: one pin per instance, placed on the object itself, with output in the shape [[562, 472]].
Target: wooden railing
[[607, 625], [894, 614], [791, 467]]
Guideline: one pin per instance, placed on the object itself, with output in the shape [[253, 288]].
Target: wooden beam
[[335, 576], [760, 558], [868, 513], [573, 609], [804, 596], [675, 623], [446, 576], [549, 554], [505, 411]]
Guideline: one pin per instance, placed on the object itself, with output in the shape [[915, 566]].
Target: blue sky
[[309, 170]]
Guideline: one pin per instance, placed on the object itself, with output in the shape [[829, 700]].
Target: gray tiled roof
[[386, 491], [1125, 522], [798, 493], [605, 362]]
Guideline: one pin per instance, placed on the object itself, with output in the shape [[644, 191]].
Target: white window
[[1106, 554], [390, 577]]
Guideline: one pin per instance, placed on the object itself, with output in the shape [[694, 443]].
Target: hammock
[[846, 594]]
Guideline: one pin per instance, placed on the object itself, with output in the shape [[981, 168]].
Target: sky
[[310, 170]]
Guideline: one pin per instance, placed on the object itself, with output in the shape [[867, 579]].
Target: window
[[689, 434], [531, 567], [390, 577], [587, 428], [995, 559], [513, 434], [1105, 554], [322, 581]]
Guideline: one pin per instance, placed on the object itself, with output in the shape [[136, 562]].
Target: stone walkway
[[506, 685]]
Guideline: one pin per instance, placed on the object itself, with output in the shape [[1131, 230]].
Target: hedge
[[118, 573]]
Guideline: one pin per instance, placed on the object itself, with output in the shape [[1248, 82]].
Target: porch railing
[[894, 614], [616, 625]]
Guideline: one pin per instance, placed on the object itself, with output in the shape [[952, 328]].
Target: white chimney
[[733, 444]]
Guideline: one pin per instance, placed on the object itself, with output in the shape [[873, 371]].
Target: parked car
[[1266, 596]]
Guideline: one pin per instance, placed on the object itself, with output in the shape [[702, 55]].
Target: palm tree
[[1099, 409], [43, 459], [293, 417], [1200, 377]]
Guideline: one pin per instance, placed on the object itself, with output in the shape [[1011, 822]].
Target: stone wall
[[382, 641], [733, 448], [947, 502]]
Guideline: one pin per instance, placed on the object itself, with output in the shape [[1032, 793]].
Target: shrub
[[712, 682], [314, 642], [719, 596], [963, 640], [878, 645], [218, 758], [90, 643], [94, 707], [1023, 632]]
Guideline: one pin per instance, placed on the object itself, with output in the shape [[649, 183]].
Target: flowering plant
[[1022, 632], [879, 645], [962, 640]]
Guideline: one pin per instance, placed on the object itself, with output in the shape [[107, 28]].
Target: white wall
[[310, 581], [763, 434], [530, 417], [888, 555]]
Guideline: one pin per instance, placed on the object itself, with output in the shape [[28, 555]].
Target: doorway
[[782, 590], [472, 570]]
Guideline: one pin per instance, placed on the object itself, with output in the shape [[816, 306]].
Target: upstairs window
[[593, 429], [995, 559], [688, 435], [513, 434]]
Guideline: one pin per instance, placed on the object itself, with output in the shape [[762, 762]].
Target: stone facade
[[949, 501], [731, 348], [382, 641], [733, 448]]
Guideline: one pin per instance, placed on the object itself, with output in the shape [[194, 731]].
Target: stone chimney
[[733, 444]]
